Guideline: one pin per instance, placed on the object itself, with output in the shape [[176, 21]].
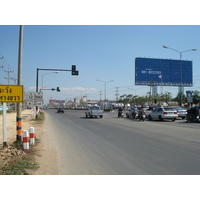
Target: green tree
[[177, 98], [196, 97]]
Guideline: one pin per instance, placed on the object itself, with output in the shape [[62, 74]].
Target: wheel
[[160, 118], [101, 116], [173, 119], [127, 115]]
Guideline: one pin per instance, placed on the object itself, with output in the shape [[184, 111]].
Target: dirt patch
[[42, 155]]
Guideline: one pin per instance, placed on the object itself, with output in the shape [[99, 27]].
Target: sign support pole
[[4, 125]]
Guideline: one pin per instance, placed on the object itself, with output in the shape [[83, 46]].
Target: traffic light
[[53, 89], [74, 72], [58, 90]]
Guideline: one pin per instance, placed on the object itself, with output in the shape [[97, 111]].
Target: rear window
[[168, 109], [95, 108]]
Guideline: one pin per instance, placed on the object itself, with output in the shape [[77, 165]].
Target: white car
[[182, 112], [161, 113]]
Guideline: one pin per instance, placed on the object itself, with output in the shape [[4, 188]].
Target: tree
[[196, 97], [177, 98]]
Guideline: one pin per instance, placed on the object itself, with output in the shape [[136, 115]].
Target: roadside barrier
[[32, 135], [25, 140]]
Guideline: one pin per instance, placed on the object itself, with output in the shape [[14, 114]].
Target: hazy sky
[[104, 47], [103, 52]]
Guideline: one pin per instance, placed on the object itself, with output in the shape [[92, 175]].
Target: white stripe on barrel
[[32, 135], [25, 140]]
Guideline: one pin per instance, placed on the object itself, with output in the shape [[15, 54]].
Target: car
[[161, 113], [94, 111], [148, 111], [182, 112], [132, 113], [60, 110]]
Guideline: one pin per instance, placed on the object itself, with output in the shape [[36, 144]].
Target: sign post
[[35, 99], [189, 97], [9, 93]]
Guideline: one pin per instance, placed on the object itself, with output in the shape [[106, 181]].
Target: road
[[120, 146]]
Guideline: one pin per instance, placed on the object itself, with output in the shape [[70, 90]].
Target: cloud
[[78, 89]]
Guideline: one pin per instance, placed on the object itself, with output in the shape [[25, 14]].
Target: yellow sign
[[11, 93]]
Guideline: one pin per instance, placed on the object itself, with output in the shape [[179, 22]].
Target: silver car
[[161, 113], [182, 112], [132, 113]]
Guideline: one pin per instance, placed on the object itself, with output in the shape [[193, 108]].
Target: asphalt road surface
[[120, 146]]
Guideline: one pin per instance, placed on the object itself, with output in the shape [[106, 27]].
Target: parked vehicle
[[60, 110], [148, 111], [94, 111], [182, 112], [162, 113], [132, 113]]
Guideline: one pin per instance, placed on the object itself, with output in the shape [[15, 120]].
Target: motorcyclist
[[141, 112], [120, 110], [134, 112], [193, 112]]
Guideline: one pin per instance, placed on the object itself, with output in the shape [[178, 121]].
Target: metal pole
[[19, 105], [105, 95], [181, 79], [4, 125], [180, 67]]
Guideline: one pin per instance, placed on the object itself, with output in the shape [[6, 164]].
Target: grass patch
[[40, 117], [17, 144], [20, 166]]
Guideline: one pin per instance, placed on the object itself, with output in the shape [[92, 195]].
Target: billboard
[[166, 72]]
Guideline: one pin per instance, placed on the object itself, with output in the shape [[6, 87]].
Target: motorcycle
[[142, 116], [120, 114], [192, 118]]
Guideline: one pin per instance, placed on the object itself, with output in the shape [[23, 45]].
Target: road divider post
[[25, 140]]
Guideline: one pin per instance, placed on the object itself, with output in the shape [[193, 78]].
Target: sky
[[103, 52], [101, 38]]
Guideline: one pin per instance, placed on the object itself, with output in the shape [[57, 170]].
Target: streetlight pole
[[47, 74], [105, 82], [42, 82], [180, 52]]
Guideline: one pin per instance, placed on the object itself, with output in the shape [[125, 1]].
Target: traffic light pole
[[72, 70], [48, 70]]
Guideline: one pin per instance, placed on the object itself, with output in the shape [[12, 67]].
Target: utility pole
[[117, 94], [100, 93], [19, 81], [8, 76]]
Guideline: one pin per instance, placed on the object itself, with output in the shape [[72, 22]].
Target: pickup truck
[[94, 111]]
